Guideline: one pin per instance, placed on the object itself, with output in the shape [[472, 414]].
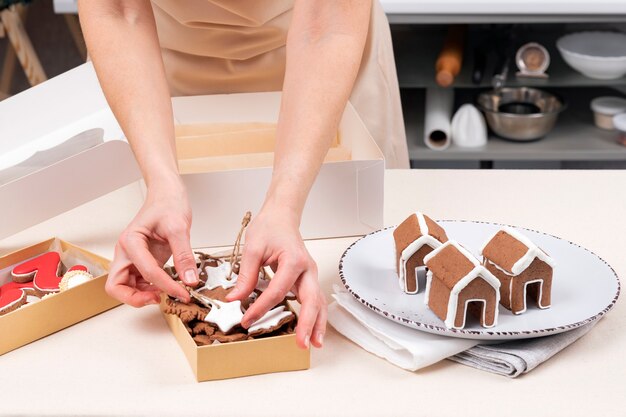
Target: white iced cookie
[[225, 315], [220, 276], [272, 320], [74, 278]]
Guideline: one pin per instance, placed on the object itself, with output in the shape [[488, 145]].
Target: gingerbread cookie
[[13, 295], [226, 338], [220, 276], [202, 327], [202, 340], [225, 315], [43, 271], [186, 312], [271, 321], [74, 277]]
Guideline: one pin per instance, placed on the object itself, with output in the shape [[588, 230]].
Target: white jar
[[604, 108]]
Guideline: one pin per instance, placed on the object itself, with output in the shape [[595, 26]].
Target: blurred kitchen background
[[483, 85]]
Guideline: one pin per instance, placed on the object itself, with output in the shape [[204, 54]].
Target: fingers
[[184, 261], [286, 275], [319, 329], [117, 285], [310, 313], [138, 253], [251, 262]]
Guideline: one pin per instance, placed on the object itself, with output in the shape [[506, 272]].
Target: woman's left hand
[[273, 239]]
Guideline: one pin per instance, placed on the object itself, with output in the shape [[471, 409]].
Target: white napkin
[[412, 349], [400, 345]]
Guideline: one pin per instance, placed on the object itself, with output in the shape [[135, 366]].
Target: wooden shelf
[[574, 138]]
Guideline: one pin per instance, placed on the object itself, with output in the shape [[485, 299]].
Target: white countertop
[[126, 362]]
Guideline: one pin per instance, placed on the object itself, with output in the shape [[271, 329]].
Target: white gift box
[[225, 145]]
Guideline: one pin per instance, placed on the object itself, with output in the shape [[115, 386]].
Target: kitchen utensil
[[599, 55], [605, 108], [480, 63], [584, 286], [532, 60], [450, 59], [468, 127], [511, 112]]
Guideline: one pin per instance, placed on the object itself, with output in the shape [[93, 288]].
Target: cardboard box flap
[[225, 147], [44, 158], [61, 147], [66, 184]]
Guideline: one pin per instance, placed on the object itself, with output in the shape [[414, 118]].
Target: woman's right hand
[[160, 229]]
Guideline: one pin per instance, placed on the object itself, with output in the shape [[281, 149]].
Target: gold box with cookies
[[208, 329], [47, 287]]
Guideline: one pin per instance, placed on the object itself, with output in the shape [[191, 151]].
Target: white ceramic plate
[[584, 286]]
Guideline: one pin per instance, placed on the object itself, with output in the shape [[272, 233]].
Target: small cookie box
[[53, 313], [237, 359]]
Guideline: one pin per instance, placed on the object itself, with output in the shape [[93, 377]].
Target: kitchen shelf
[[574, 138], [416, 50], [498, 11]]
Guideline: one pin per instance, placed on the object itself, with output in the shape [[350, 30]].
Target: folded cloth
[[400, 345], [413, 350], [519, 356]]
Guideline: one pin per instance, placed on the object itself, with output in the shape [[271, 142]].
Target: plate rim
[[478, 334]]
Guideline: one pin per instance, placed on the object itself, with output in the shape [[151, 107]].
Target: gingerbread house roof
[[455, 267], [417, 226], [513, 252]]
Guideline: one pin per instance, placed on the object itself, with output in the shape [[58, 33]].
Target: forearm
[[324, 50], [123, 45]]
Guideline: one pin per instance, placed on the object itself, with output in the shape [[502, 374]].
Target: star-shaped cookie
[[219, 276], [225, 315]]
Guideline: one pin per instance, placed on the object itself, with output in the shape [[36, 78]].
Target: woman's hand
[[160, 229], [273, 239]]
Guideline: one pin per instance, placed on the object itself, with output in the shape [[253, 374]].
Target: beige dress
[[229, 46]]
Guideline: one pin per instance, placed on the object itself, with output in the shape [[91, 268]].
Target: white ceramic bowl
[[598, 55]]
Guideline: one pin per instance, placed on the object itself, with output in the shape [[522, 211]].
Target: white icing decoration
[[411, 249], [73, 278], [31, 299], [533, 252], [218, 276], [225, 315], [270, 319], [429, 279], [478, 271], [525, 292], [499, 268]]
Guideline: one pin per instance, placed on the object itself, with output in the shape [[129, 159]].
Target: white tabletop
[[126, 362]]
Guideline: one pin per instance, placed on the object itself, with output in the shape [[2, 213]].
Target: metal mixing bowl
[[537, 111]]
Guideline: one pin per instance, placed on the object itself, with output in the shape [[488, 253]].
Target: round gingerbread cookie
[[74, 277]]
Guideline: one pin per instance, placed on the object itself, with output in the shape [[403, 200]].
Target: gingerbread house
[[415, 238], [524, 270], [457, 284]]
